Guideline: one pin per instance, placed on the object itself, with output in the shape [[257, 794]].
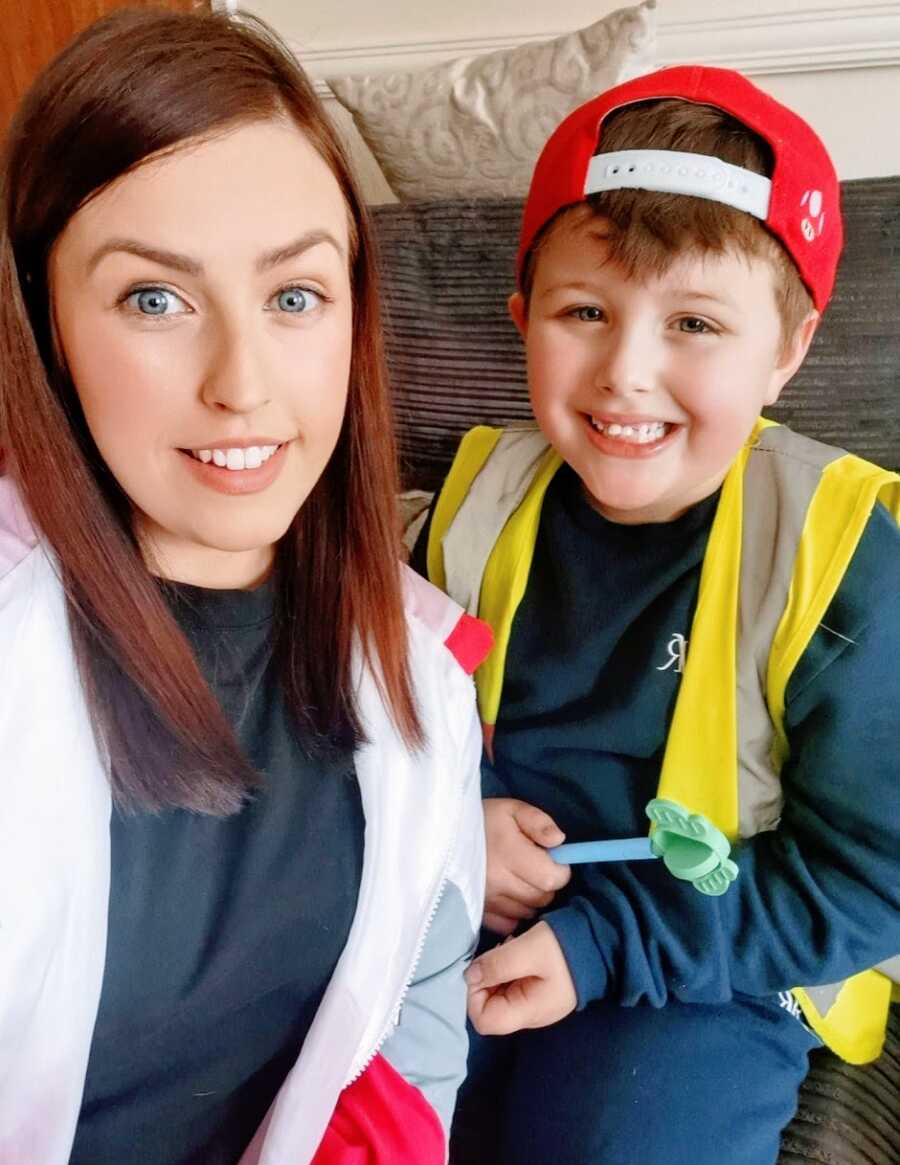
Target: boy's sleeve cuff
[[587, 942]]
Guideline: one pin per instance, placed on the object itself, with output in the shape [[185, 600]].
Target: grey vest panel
[[496, 493], [823, 997], [782, 474], [891, 968]]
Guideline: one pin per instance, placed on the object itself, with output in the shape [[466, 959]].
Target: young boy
[[688, 604]]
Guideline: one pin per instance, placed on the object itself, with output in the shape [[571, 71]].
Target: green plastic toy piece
[[691, 847]]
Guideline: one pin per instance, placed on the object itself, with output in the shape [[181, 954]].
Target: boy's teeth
[[251, 458], [642, 434]]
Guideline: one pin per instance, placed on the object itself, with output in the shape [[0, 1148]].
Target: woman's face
[[203, 304]]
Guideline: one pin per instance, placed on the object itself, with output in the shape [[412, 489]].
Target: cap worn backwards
[[800, 203]]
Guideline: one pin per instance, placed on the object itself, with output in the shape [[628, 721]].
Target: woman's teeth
[[251, 458], [643, 434]]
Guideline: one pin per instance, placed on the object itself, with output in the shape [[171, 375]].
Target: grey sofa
[[456, 360]]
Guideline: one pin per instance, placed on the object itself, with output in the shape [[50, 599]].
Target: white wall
[[837, 64]]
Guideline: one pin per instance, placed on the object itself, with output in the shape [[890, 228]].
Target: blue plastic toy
[[692, 848]]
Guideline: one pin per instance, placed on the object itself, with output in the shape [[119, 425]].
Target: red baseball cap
[[800, 204]]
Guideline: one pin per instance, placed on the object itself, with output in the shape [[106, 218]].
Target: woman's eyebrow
[[143, 251], [303, 243], [191, 266]]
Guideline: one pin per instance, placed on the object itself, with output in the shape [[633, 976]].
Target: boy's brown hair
[[650, 230]]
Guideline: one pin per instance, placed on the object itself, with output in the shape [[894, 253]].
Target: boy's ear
[[792, 355], [518, 310]]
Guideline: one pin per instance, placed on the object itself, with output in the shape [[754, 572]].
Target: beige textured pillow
[[475, 126]]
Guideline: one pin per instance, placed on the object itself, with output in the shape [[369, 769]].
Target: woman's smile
[[237, 471]]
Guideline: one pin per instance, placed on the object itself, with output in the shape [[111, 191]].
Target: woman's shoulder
[[448, 626]]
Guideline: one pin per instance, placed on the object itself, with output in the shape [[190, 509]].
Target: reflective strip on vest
[[780, 489], [483, 534], [789, 519]]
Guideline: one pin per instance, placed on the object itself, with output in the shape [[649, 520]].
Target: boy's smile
[[628, 435], [649, 387]]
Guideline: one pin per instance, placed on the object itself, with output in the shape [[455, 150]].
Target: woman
[[240, 858]]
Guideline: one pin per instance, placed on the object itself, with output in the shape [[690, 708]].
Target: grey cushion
[[473, 127], [456, 359]]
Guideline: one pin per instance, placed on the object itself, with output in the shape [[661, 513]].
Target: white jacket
[[417, 915]]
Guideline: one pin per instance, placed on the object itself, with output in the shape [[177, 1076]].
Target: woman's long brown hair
[[133, 84]]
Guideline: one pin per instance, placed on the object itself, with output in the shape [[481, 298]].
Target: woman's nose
[[235, 378]]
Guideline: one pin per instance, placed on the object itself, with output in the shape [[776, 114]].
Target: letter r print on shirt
[[677, 648]]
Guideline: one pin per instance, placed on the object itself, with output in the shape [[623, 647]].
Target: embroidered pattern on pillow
[[473, 127]]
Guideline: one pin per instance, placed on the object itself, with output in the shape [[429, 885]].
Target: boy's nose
[[625, 366]]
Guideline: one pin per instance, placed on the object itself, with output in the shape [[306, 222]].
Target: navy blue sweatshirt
[[591, 679]]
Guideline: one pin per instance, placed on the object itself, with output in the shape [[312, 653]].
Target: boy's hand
[[524, 982], [521, 875]]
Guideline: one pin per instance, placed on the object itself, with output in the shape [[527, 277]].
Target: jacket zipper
[[394, 1015]]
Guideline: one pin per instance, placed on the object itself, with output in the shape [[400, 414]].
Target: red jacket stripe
[[382, 1119]]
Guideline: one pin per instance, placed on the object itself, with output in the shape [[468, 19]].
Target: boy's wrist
[[587, 946]]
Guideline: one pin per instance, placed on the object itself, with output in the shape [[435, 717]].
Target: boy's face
[[649, 388]]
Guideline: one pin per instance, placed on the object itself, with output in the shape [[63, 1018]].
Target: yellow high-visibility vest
[[790, 516]]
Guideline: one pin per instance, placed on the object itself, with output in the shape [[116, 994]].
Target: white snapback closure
[[673, 172]]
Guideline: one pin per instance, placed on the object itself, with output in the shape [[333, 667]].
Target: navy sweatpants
[[687, 1084]]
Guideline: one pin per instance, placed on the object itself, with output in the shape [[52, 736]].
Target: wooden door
[[33, 31]]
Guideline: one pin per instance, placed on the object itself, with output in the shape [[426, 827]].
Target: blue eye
[[155, 301], [297, 300]]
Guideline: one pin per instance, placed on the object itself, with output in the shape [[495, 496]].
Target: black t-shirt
[[223, 932]]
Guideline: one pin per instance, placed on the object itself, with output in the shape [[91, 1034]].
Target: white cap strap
[[672, 172]]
